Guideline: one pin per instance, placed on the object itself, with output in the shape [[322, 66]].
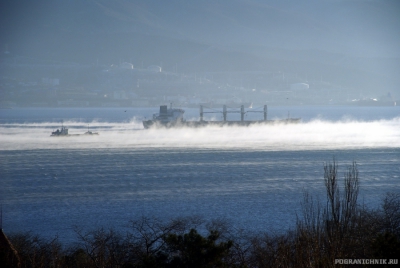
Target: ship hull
[[197, 124], [74, 135]]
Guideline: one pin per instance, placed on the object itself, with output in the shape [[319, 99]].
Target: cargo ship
[[173, 118]]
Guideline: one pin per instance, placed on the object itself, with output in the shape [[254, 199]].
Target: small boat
[[62, 132], [88, 132]]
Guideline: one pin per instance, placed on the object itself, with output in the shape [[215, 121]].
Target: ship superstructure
[[62, 132]]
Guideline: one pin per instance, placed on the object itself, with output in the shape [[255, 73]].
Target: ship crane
[[225, 111]]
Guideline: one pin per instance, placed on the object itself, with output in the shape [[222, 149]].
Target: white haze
[[313, 135]]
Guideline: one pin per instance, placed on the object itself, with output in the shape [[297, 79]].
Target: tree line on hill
[[338, 228]]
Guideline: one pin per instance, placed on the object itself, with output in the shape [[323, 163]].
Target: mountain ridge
[[359, 38]]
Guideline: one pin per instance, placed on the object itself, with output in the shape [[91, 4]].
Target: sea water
[[254, 177]]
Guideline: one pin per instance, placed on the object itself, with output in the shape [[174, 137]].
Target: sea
[[252, 177]]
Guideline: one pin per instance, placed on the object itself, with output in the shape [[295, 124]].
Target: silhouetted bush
[[37, 252]]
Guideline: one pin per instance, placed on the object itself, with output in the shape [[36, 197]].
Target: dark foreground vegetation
[[337, 228]]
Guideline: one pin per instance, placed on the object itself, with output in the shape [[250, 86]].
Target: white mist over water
[[312, 135], [253, 176]]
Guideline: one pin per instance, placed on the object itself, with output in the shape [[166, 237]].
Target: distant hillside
[[349, 27], [347, 42]]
